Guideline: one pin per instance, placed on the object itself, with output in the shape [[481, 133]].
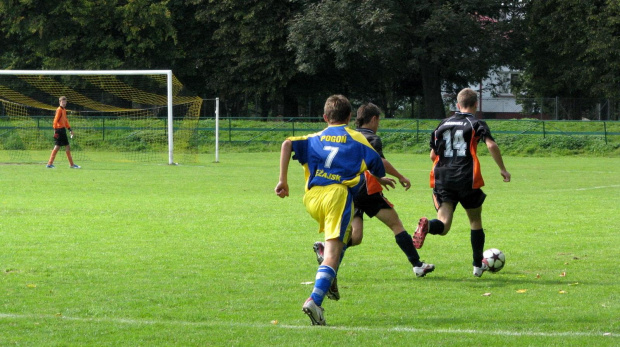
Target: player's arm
[[391, 170], [285, 158], [67, 125], [387, 182], [377, 169], [56, 118], [433, 155], [497, 156]]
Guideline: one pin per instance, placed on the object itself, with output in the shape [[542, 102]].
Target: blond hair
[[467, 98]]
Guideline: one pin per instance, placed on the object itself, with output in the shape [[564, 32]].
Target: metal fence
[[509, 107]]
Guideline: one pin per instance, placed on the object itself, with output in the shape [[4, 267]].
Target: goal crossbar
[[168, 74]]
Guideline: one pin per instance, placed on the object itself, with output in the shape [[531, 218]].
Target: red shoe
[[319, 248], [420, 233]]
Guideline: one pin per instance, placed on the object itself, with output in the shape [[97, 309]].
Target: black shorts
[[470, 198], [370, 204], [60, 137]]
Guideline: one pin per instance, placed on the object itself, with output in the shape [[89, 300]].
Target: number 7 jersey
[[455, 142], [336, 155]]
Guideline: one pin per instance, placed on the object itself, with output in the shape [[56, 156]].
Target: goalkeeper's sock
[[404, 241], [324, 277], [477, 246]]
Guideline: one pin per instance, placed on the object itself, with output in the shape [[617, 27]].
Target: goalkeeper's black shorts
[[60, 137]]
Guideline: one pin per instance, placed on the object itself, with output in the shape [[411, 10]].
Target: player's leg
[[439, 226], [50, 162], [69, 157], [477, 234], [332, 207], [443, 223], [390, 218], [445, 205], [473, 206], [357, 230]]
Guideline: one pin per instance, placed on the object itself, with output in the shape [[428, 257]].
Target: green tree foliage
[[247, 52], [277, 56], [438, 45], [85, 34], [573, 48]]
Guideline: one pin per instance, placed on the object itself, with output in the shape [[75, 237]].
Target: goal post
[[108, 88]]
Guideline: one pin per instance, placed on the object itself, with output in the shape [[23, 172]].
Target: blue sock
[[324, 277]]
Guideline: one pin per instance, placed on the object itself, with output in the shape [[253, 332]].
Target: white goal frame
[[168, 74]]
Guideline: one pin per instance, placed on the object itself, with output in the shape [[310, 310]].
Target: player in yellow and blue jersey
[[333, 161]]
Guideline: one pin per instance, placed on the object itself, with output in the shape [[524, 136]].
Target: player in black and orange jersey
[[61, 124], [456, 176], [371, 201]]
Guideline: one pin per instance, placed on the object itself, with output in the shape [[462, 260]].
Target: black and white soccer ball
[[494, 258]]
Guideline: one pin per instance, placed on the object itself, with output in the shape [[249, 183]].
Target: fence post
[[417, 130], [605, 131], [229, 130], [103, 129], [293, 127], [544, 133]]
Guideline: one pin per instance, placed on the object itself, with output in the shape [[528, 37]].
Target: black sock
[[404, 241], [435, 227], [477, 246]]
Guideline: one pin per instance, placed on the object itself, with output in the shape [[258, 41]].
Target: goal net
[[142, 115]]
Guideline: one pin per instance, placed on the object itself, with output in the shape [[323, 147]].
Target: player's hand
[[282, 190], [405, 182], [387, 182], [506, 175]]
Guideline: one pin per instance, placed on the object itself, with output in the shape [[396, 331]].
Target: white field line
[[284, 326], [600, 187]]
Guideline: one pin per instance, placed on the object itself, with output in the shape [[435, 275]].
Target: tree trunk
[[291, 106], [431, 86]]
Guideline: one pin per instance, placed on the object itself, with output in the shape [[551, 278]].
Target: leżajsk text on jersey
[[336, 155], [455, 142]]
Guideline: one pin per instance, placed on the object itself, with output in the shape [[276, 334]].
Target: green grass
[[204, 255]]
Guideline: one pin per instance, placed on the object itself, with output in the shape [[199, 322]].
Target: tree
[[442, 44], [247, 53], [86, 34], [573, 48]]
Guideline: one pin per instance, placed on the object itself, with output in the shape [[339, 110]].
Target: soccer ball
[[494, 258]]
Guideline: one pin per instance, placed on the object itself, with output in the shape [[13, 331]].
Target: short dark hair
[[365, 113], [337, 108], [467, 98]]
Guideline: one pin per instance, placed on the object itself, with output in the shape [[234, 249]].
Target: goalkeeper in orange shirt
[[61, 124]]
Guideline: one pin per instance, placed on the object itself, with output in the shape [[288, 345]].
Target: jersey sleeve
[[433, 142], [374, 163], [377, 144], [371, 159], [300, 148], [56, 124], [482, 130]]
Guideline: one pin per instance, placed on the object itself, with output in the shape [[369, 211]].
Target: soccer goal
[[144, 115]]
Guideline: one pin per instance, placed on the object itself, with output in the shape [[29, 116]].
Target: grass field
[[130, 254]]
